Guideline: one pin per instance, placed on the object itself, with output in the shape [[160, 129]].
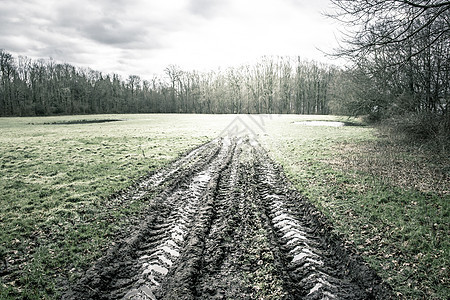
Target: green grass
[[387, 200], [54, 184]]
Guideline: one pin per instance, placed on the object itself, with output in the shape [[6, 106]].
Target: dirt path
[[226, 224]]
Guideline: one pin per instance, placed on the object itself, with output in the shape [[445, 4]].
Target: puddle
[[321, 123], [73, 122]]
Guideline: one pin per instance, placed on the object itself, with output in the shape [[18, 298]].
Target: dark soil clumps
[[74, 122], [227, 224]]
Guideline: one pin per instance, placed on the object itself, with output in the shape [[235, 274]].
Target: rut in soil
[[227, 224]]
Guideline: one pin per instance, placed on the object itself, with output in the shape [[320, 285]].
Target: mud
[[227, 224], [77, 122]]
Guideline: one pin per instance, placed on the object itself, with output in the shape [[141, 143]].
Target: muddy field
[[226, 224]]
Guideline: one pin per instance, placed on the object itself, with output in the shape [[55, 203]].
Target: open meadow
[[388, 202]]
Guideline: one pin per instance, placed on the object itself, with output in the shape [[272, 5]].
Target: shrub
[[424, 128]]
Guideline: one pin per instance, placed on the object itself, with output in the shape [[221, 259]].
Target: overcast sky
[[142, 37]]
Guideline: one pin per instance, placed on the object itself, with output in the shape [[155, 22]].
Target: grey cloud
[[5, 14], [14, 21], [113, 32], [110, 25], [205, 8], [71, 30], [15, 45], [31, 23], [28, 28], [69, 53]]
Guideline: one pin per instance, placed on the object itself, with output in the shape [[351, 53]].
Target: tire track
[[167, 178], [134, 268], [313, 264], [159, 256], [181, 282], [226, 224], [305, 259]]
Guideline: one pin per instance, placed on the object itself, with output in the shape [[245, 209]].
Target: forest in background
[[272, 85]]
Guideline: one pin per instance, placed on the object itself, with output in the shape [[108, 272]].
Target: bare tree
[[376, 24], [174, 73], [400, 50]]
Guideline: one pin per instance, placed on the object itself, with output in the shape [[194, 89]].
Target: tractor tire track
[[227, 224], [307, 259]]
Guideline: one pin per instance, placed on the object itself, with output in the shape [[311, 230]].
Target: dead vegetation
[[400, 164]]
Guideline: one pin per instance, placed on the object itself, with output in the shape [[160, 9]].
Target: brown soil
[[227, 224]]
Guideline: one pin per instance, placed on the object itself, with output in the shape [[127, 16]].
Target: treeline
[[272, 85], [401, 55]]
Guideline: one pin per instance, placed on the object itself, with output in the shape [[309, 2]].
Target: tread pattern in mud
[[226, 224], [308, 260]]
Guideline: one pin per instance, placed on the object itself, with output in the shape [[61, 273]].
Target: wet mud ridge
[[227, 224]]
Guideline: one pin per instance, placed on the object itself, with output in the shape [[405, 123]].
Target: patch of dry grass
[[396, 163]]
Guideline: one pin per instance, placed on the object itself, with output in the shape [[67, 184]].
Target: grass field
[[55, 180], [389, 201]]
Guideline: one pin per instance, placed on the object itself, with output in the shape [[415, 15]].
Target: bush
[[428, 128]]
